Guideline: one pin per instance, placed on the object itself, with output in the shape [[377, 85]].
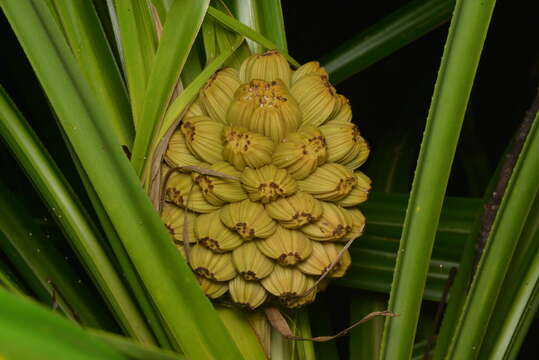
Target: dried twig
[[278, 322]]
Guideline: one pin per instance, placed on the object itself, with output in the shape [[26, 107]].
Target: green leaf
[[457, 296], [44, 268], [419, 350], [304, 350], [247, 12], [183, 23], [138, 43], [89, 44], [190, 92], [270, 15], [461, 284], [265, 17], [29, 331], [193, 64], [209, 39], [8, 279], [32, 275], [455, 78], [225, 38], [68, 213], [393, 32], [184, 310], [365, 339], [106, 12], [514, 293], [510, 219], [134, 350], [126, 267], [374, 254], [246, 31], [162, 7], [520, 316], [238, 326]]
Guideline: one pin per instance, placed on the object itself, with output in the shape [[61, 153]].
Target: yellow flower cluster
[[286, 207]]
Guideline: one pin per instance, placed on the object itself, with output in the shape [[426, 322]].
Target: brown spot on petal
[[292, 258], [211, 244], [205, 272], [249, 275]]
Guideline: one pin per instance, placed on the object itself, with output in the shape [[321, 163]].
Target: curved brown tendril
[[278, 322]]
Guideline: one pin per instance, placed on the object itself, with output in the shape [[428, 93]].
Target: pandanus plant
[[203, 188]]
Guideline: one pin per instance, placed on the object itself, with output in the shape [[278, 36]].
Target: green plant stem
[[459, 63]]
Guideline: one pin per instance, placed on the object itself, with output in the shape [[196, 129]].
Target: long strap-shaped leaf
[[128, 271], [265, 17], [394, 31], [246, 31], [138, 45], [189, 93], [183, 23], [521, 315], [91, 49], [63, 202], [9, 280], [272, 22], [29, 331], [513, 309], [134, 350], [374, 254], [48, 275], [185, 311], [510, 220], [247, 12], [455, 78]]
